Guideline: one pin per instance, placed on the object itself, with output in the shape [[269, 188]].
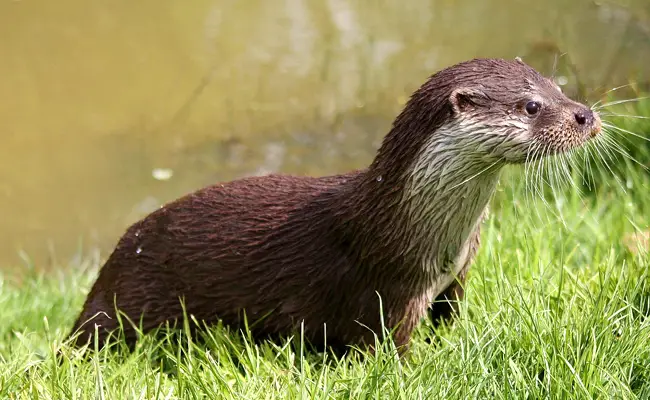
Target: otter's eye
[[532, 107]]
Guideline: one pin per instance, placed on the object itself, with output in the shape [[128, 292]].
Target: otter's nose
[[584, 116], [587, 119]]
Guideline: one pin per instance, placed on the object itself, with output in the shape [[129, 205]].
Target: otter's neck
[[432, 204], [444, 200]]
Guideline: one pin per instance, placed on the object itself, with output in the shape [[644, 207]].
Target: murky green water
[[108, 108]]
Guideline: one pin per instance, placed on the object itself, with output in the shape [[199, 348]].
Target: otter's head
[[520, 110], [495, 110]]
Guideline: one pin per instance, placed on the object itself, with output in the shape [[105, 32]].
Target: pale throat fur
[[451, 182]]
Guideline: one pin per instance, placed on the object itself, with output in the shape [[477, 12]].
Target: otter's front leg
[[445, 306]]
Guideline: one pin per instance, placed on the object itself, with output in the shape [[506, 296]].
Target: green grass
[[557, 306]]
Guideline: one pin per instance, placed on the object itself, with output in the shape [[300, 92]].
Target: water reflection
[[109, 109]]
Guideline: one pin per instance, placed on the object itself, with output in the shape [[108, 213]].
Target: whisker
[[557, 175], [573, 161], [610, 114], [622, 151], [629, 139], [606, 146], [599, 144], [608, 136], [538, 166], [566, 166], [613, 90], [618, 128], [616, 102], [536, 184], [530, 160], [590, 158]]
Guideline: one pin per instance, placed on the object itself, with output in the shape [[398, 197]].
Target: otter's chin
[[549, 151]]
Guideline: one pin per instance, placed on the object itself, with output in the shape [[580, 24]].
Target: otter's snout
[[587, 119]]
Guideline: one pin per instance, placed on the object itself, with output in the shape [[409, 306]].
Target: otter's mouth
[[596, 127]]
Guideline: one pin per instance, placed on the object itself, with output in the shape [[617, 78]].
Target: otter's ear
[[464, 99]]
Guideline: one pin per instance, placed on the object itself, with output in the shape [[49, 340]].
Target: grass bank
[[557, 306]]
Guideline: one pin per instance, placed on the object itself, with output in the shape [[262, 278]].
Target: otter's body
[[278, 247], [324, 254]]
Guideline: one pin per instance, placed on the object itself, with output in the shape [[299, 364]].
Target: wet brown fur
[[288, 250]]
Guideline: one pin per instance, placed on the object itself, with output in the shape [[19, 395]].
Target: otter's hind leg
[[97, 321]]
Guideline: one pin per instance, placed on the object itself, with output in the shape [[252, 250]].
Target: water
[[109, 109]]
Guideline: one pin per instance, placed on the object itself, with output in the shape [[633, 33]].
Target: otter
[[339, 258]]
